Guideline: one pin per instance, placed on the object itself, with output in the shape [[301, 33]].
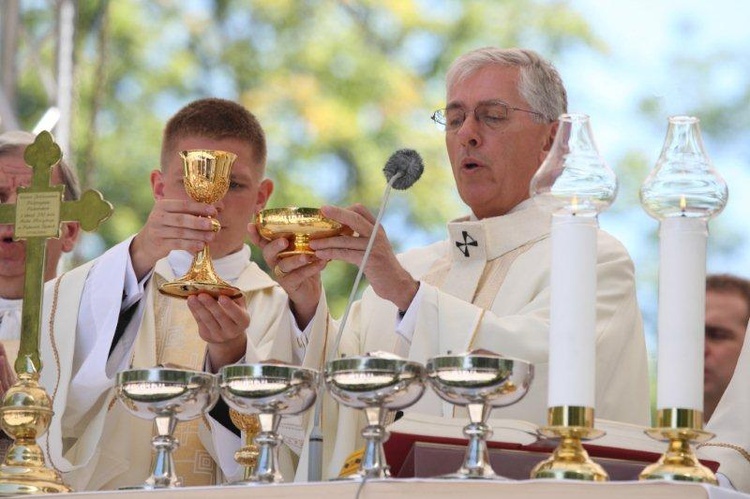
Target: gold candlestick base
[[25, 416], [679, 427], [570, 461]]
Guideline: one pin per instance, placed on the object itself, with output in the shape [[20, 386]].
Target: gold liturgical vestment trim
[[178, 343]]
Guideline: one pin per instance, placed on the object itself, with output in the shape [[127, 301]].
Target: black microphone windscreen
[[409, 163]]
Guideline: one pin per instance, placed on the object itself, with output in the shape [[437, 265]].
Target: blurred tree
[[338, 85]]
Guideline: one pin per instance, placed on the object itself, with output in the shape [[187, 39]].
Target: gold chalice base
[[182, 288], [298, 225]]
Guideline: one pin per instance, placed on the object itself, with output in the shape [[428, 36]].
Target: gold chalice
[[247, 456], [298, 225], [206, 181]]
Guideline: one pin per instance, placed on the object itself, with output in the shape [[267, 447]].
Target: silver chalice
[[166, 396], [269, 390], [479, 383], [376, 384]]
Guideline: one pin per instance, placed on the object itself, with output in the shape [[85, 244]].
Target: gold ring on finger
[[278, 272]]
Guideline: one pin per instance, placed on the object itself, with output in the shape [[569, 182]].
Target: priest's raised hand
[[385, 274], [175, 223]]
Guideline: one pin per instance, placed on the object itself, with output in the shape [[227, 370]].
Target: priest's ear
[[548, 140], [69, 232], [265, 188]]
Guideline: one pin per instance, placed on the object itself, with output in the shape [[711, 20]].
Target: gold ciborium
[[206, 181], [298, 225]]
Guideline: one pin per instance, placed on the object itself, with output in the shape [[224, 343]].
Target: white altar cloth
[[435, 489]]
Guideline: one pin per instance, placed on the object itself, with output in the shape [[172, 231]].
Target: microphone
[[406, 165], [402, 169]]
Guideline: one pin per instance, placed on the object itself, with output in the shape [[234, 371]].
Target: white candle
[[572, 336], [682, 308]]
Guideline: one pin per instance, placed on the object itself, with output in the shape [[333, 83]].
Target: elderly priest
[[487, 285]]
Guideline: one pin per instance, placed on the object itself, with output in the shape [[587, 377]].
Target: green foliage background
[[338, 85]]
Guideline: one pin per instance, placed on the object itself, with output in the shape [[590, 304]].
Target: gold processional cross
[[26, 408]]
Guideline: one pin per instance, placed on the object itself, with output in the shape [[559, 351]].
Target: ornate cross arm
[[90, 211]]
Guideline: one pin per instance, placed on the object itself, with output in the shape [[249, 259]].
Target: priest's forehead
[[15, 172]]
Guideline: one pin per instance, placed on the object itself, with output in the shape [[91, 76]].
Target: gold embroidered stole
[[178, 343]]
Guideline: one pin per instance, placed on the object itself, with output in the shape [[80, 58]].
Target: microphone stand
[[315, 447]]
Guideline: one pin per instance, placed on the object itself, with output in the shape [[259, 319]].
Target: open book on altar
[[422, 445]]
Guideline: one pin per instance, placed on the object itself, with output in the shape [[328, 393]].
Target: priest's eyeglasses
[[493, 114]]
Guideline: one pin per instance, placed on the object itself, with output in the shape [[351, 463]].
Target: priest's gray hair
[[540, 83], [15, 142]]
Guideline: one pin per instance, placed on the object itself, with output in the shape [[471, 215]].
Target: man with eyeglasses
[[487, 285]]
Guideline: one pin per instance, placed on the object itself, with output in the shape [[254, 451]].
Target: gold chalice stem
[[302, 243], [247, 456], [202, 269]]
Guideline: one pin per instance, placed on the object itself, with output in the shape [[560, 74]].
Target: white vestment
[[487, 286], [731, 423], [92, 439], [10, 327]]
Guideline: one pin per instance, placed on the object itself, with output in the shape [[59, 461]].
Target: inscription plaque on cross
[[26, 410]]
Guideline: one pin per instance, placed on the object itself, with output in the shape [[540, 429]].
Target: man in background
[[727, 377], [727, 314]]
